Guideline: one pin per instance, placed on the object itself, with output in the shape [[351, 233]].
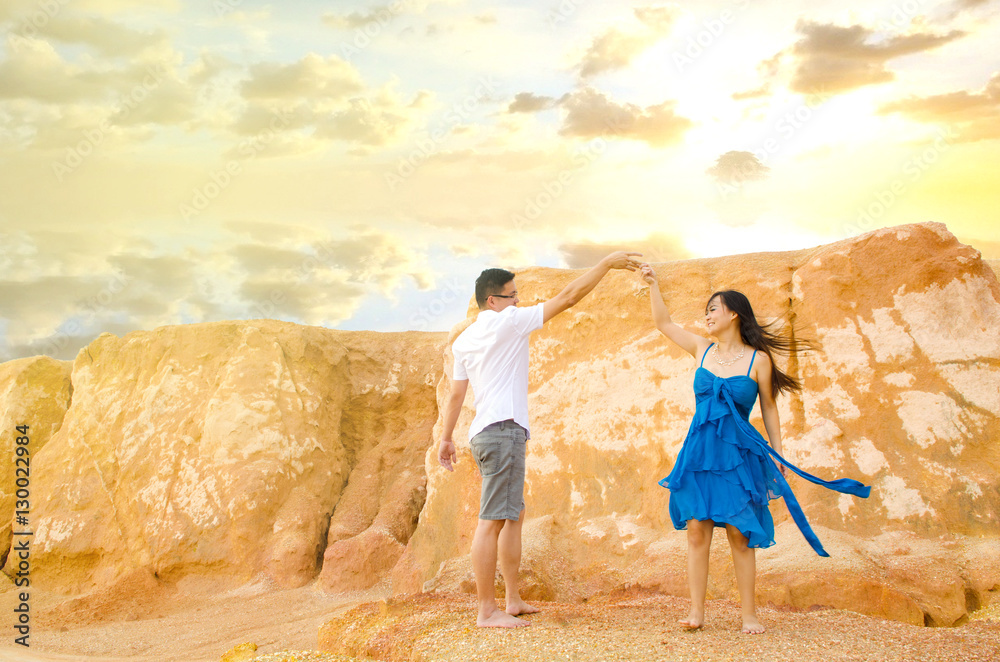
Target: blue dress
[[724, 470]]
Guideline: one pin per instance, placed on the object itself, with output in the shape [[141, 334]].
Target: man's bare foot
[[518, 607], [500, 619], [752, 626], [694, 621]]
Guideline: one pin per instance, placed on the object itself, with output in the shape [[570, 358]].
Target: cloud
[[63, 345], [756, 93], [21, 297], [381, 15], [355, 19], [526, 102], [365, 122], [313, 301], [657, 247], [616, 48], [734, 206], [363, 257], [253, 270], [590, 114], [108, 38], [312, 77], [34, 70], [834, 59], [463, 24], [269, 232], [115, 6], [326, 282], [70, 99], [735, 167], [959, 7], [612, 50], [376, 257], [329, 96], [12, 9], [510, 160], [31, 15], [257, 258], [465, 249], [162, 98], [208, 66], [974, 115], [266, 118], [49, 311], [658, 18]]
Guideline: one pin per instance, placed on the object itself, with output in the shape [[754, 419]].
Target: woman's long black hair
[[761, 338]]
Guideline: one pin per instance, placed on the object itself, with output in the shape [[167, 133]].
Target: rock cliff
[[904, 396], [227, 450], [211, 454], [34, 392]]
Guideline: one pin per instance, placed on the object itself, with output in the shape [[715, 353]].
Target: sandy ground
[[440, 627], [183, 628]]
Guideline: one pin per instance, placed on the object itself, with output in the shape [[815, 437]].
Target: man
[[492, 353]]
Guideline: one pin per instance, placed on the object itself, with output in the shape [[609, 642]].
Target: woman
[[724, 475]]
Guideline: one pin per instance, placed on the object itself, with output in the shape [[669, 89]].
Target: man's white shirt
[[493, 355]]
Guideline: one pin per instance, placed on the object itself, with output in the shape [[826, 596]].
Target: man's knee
[[491, 526]]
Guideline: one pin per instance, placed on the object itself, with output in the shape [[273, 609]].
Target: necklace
[[715, 353]]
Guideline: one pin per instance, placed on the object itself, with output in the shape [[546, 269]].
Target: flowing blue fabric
[[724, 470]]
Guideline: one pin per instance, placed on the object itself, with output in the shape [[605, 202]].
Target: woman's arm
[[768, 407], [691, 343]]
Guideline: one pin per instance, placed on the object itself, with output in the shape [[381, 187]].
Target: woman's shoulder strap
[[702, 364]]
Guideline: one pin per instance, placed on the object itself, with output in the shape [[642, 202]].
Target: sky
[[356, 165]]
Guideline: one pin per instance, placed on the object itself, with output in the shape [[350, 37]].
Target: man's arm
[[446, 452], [581, 287]]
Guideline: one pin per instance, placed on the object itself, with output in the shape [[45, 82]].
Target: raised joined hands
[[624, 260], [647, 274]]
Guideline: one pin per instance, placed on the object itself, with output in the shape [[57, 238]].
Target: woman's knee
[[737, 540], [699, 535]]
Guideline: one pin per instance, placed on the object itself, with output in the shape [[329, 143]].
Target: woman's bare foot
[[518, 607], [500, 619], [752, 626], [694, 620]]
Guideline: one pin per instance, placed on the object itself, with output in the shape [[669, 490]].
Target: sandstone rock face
[[34, 392], [216, 453], [225, 449], [905, 396]]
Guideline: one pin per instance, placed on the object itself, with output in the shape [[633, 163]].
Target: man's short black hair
[[491, 281]]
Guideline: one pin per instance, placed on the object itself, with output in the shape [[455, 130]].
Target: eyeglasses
[[504, 296]]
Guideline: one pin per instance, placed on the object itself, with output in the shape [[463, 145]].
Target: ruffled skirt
[[724, 477]]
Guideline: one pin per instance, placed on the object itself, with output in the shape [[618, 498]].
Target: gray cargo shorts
[[499, 451]]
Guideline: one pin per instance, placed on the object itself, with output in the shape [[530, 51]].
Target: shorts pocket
[[492, 455]]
